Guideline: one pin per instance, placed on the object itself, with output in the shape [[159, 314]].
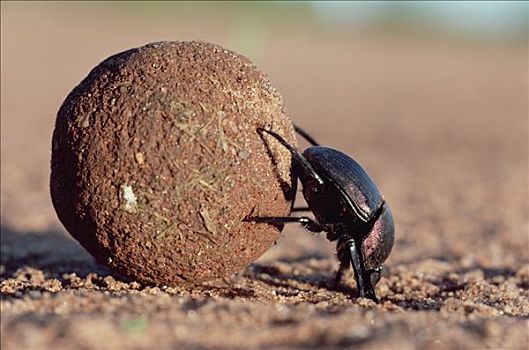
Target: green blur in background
[[346, 70], [247, 25]]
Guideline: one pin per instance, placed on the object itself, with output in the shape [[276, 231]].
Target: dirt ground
[[440, 124]]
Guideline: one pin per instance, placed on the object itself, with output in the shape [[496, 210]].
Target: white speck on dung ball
[[130, 198]]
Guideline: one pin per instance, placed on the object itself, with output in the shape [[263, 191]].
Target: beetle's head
[[378, 242]]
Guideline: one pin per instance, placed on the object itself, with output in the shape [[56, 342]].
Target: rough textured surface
[[156, 162], [440, 126]]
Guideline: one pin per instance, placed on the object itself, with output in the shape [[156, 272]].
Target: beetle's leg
[[298, 157], [375, 275], [344, 266], [306, 135], [301, 209], [306, 222], [363, 280]]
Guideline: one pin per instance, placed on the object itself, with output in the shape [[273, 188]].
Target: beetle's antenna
[[298, 157], [306, 135]]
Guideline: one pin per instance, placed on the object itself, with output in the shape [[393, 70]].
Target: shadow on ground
[[53, 252]]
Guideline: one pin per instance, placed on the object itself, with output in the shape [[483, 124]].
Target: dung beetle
[[347, 206]]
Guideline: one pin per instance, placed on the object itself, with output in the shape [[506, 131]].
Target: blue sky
[[498, 19]]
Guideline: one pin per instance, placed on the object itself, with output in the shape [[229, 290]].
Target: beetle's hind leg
[[306, 136], [298, 158]]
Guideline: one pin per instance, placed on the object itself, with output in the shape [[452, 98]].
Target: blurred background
[[430, 97]]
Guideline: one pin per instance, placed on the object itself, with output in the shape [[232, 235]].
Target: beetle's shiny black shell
[[340, 169]]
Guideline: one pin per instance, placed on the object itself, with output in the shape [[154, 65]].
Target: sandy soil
[[440, 125]]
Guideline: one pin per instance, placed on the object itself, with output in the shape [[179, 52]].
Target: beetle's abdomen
[[346, 174]]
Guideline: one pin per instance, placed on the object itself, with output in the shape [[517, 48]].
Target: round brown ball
[[156, 162]]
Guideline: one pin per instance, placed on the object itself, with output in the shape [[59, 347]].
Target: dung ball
[[156, 162]]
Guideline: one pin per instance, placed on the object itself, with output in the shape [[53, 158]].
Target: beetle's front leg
[[306, 222], [362, 276], [344, 266]]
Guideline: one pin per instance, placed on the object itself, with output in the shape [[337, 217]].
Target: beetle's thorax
[[331, 211]]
